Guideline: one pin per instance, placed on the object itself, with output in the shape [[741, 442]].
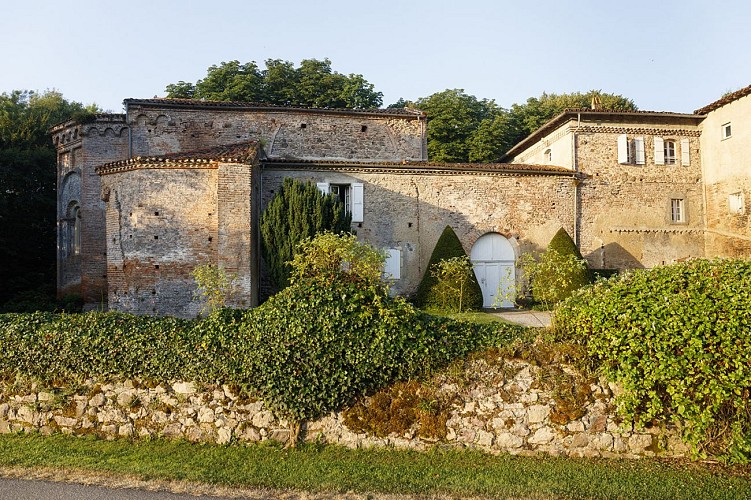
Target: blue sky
[[665, 55]]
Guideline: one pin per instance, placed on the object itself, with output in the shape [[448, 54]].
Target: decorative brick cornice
[[589, 129], [670, 229]]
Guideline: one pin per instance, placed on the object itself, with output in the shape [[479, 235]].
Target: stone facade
[[504, 409], [624, 214], [634, 189]]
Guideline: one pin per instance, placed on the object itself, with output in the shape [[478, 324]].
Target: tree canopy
[[312, 84], [27, 188], [463, 128]]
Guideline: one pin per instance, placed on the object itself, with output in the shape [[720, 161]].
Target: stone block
[[506, 440], [537, 413], [543, 435]]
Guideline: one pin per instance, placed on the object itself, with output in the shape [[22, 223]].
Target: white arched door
[[494, 262]]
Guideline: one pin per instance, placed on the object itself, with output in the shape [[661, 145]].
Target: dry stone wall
[[499, 408]]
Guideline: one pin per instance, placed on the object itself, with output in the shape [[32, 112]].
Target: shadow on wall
[[613, 256], [408, 213]]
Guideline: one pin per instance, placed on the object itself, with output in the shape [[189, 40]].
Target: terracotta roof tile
[[726, 99]]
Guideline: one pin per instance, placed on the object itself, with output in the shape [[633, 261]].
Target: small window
[[548, 156], [736, 203], [76, 231], [344, 193], [727, 131], [669, 150], [677, 211]]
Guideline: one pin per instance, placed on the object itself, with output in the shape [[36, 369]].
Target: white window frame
[[639, 155], [678, 210], [659, 151], [352, 195], [669, 148], [737, 203], [726, 131]]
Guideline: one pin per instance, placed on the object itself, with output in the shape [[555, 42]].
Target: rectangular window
[[392, 267], [669, 150], [351, 195], [727, 131], [736, 203], [639, 150], [677, 211]]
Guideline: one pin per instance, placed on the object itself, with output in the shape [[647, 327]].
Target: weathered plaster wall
[[559, 145], [727, 171], [502, 409], [408, 210]]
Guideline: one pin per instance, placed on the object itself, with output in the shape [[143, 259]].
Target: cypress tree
[[448, 246], [298, 211]]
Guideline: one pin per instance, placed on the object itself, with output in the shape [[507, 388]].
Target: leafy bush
[[329, 337], [215, 286], [678, 338], [456, 288], [447, 247], [558, 272], [298, 211]]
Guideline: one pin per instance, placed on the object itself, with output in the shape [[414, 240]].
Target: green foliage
[[453, 116], [297, 212], [332, 335], [215, 286], [312, 84], [27, 192], [558, 272], [677, 339], [456, 287], [447, 247]]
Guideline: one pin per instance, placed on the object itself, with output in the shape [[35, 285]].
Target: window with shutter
[[357, 202], [669, 149], [392, 267], [623, 149], [639, 150], [659, 151], [685, 152]]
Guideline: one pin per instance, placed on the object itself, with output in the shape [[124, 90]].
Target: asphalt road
[[26, 489]]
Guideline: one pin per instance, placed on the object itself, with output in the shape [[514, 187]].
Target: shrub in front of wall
[[447, 247], [558, 272], [678, 339]]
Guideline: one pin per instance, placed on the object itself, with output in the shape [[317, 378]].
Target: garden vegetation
[[678, 340]]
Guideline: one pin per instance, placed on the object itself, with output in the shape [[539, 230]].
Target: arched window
[[548, 156], [76, 243], [669, 152]]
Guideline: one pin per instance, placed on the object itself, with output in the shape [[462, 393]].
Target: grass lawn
[[335, 469]]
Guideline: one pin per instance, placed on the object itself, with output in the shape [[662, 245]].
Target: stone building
[[145, 196]]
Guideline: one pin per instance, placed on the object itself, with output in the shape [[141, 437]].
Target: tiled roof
[[198, 103], [233, 153], [726, 99], [422, 166]]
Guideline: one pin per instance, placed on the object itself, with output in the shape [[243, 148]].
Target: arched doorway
[[493, 259]]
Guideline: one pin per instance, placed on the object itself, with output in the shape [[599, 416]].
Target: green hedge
[[678, 338], [309, 350]]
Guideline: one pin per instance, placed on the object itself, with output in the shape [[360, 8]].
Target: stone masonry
[[515, 416]]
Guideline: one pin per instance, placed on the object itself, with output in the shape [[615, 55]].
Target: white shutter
[[323, 187], [659, 151], [639, 150], [392, 267], [685, 155], [622, 149], [357, 202]]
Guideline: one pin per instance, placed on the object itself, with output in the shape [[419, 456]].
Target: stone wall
[[625, 210], [408, 208], [162, 126], [498, 408]]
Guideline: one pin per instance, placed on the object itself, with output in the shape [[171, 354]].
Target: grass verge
[[318, 468]]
